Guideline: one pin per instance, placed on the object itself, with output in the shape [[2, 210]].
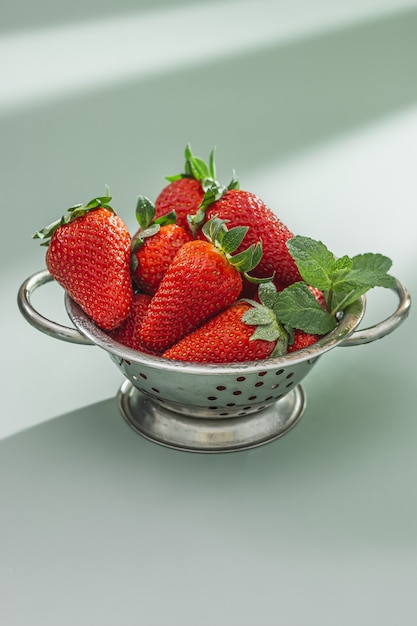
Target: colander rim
[[348, 322]]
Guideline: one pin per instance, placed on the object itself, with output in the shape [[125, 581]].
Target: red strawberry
[[319, 296], [154, 245], [203, 279], [89, 256], [240, 208], [302, 340], [186, 191], [245, 331], [183, 196], [128, 332]]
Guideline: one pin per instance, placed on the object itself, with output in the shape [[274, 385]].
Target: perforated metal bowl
[[210, 408]]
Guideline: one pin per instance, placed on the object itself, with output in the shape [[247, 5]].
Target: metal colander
[[210, 408]]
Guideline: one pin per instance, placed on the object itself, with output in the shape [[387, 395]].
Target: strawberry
[[183, 196], [186, 191], [154, 245], [89, 255], [203, 279], [319, 296], [128, 332], [302, 340], [245, 331], [239, 208]]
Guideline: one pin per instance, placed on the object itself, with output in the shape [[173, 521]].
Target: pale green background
[[315, 106]]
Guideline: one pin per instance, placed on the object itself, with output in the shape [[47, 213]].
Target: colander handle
[[53, 329], [387, 326]]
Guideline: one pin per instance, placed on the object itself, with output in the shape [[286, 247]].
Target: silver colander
[[210, 408]]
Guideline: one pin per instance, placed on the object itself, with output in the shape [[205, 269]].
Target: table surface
[[100, 526]]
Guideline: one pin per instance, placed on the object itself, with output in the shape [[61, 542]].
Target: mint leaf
[[370, 270], [314, 261], [367, 271], [341, 268], [297, 307]]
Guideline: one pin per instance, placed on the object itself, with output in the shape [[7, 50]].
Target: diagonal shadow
[[258, 107]]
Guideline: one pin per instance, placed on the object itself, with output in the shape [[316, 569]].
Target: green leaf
[[371, 270], [281, 345], [145, 212], [247, 260], [199, 169], [341, 268], [297, 307], [234, 183], [267, 327], [258, 314], [214, 229], [75, 211], [212, 165], [341, 299], [168, 218], [233, 238], [314, 261], [267, 293]]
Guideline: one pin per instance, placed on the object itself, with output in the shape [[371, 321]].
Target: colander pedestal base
[[173, 430]]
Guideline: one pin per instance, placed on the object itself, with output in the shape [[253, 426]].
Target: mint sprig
[[341, 279]]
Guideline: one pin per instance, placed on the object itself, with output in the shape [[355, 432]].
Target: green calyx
[[205, 173], [263, 316], [198, 169], [73, 213], [227, 241], [148, 225]]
